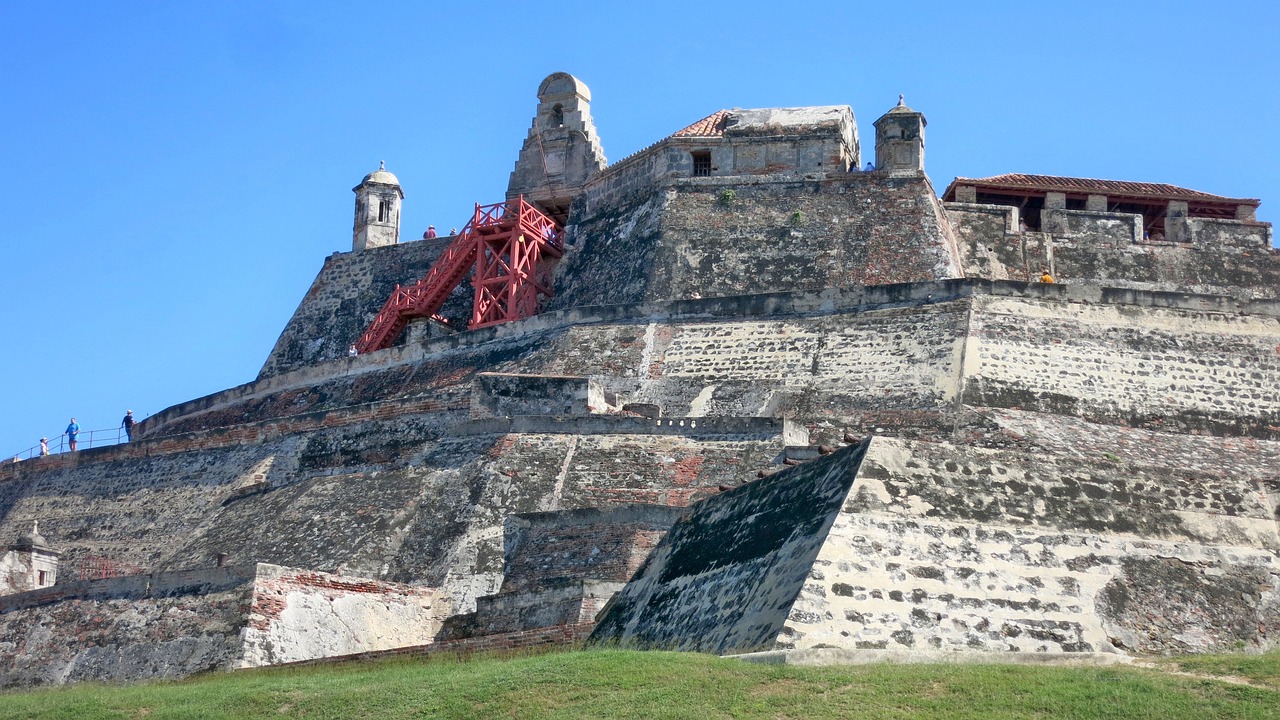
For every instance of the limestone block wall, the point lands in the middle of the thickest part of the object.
(723, 580)
(175, 624)
(989, 243)
(1244, 458)
(507, 395)
(303, 614)
(347, 294)
(858, 360)
(583, 544)
(1211, 235)
(809, 142)
(1225, 257)
(883, 357)
(937, 546)
(390, 497)
(564, 604)
(944, 547)
(876, 362)
(136, 511)
(610, 250)
(1092, 229)
(691, 240)
(167, 625)
(889, 366)
(1173, 368)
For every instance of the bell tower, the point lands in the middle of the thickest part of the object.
(378, 199)
(562, 151)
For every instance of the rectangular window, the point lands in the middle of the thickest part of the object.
(382, 211)
(40, 581)
(701, 163)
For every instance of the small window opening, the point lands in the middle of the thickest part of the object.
(701, 163)
(40, 581)
(557, 116)
(383, 211)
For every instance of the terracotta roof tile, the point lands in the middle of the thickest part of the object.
(709, 126)
(1021, 181)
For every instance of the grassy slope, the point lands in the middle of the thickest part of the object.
(621, 684)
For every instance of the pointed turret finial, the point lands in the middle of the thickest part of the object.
(901, 100)
(382, 164)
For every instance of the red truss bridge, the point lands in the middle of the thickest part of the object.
(512, 246)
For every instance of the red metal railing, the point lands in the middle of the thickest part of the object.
(512, 247)
(93, 567)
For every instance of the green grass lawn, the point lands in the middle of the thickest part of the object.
(1261, 670)
(624, 684)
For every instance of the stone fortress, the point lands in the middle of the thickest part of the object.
(777, 403)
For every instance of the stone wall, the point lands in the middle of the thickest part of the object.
(782, 143)
(584, 544)
(645, 231)
(1176, 369)
(864, 360)
(175, 624)
(167, 625)
(938, 546)
(347, 294)
(943, 547)
(563, 604)
(723, 579)
(302, 614)
(864, 354)
(392, 498)
(1223, 257)
(725, 236)
(507, 395)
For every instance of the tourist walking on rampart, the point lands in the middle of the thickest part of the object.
(73, 431)
(127, 424)
(430, 234)
(44, 446)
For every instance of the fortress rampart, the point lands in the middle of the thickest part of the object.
(1083, 466)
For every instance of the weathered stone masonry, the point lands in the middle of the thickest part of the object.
(1090, 466)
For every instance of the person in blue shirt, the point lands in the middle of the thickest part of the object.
(73, 430)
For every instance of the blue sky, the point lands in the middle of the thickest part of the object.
(174, 174)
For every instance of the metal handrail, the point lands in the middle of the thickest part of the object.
(85, 440)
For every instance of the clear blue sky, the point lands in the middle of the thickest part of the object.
(174, 174)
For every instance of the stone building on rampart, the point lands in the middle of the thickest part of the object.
(777, 402)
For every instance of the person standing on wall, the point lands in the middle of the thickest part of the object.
(430, 234)
(127, 424)
(73, 431)
(44, 446)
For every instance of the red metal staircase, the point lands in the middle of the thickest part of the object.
(513, 248)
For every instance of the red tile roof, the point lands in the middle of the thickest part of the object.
(709, 126)
(1115, 188)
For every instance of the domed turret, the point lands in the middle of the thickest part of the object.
(900, 141)
(32, 540)
(377, 222)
